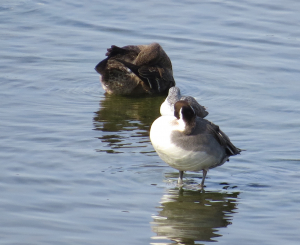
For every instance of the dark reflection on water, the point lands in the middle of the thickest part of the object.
(125, 122)
(188, 216)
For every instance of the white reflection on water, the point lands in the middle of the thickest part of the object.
(187, 216)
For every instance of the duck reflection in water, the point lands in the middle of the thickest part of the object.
(124, 122)
(190, 216)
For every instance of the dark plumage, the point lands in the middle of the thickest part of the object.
(141, 69)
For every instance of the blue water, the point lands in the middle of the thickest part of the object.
(77, 166)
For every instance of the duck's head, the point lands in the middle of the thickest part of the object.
(185, 115)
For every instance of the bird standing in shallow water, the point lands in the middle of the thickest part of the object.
(133, 70)
(190, 143)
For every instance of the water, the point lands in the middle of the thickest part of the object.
(77, 166)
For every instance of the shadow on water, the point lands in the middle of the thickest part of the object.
(125, 122)
(188, 216)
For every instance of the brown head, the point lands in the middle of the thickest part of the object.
(183, 111)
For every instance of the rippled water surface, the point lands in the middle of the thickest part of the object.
(77, 166)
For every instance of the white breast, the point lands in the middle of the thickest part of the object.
(175, 156)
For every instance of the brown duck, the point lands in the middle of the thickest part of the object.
(141, 69)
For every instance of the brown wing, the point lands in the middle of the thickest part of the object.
(127, 53)
(158, 79)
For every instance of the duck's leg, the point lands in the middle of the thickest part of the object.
(180, 178)
(203, 178)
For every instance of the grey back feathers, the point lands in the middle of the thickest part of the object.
(201, 132)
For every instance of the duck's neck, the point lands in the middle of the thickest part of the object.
(186, 127)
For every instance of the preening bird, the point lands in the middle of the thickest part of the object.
(190, 143)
